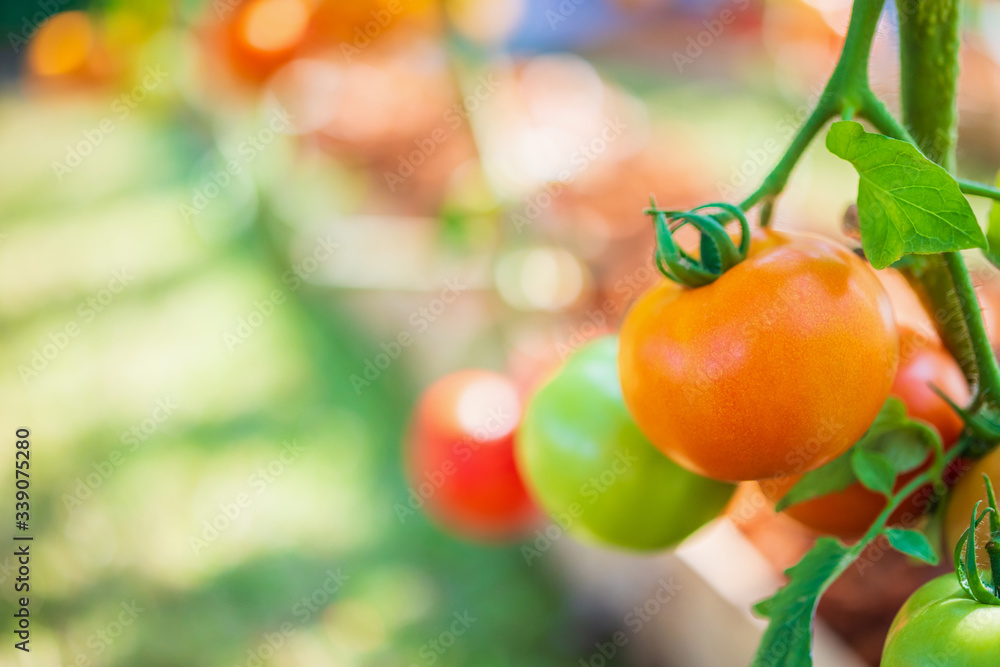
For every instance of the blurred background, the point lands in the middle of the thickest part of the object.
(217, 219)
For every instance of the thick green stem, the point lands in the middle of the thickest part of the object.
(931, 279)
(986, 362)
(929, 57)
(929, 39)
(978, 189)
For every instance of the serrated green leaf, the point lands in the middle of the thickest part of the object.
(873, 470)
(787, 642)
(906, 203)
(912, 543)
(993, 231)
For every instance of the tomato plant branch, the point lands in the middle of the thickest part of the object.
(986, 362)
(843, 93)
(979, 189)
(929, 40)
(929, 60)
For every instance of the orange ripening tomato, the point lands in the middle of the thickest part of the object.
(260, 36)
(775, 368)
(969, 490)
(460, 456)
(848, 514)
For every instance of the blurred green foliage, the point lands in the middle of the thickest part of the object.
(161, 338)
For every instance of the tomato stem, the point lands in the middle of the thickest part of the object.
(979, 189)
(929, 39)
(986, 362)
(847, 86)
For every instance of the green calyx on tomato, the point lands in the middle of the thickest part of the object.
(774, 369)
(718, 252)
(589, 466)
(966, 567)
(953, 620)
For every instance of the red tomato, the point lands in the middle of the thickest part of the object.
(460, 456)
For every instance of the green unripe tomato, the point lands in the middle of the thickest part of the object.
(588, 465)
(942, 626)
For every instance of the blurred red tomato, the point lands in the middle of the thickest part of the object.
(460, 456)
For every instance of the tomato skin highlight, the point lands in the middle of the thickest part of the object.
(592, 469)
(460, 456)
(775, 368)
(942, 625)
(847, 514)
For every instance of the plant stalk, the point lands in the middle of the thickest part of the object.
(929, 39)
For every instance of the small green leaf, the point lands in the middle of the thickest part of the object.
(993, 231)
(906, 446)
(873, 470)
(906, 203)
(903, 442)
(835, 476)
(787, 642)
(912, 543)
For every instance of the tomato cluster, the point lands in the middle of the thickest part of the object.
(772, 370)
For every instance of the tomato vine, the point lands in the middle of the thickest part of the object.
(914, 215)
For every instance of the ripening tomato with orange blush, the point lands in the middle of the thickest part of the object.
(848, 513)
(778, 365)
(460, 456)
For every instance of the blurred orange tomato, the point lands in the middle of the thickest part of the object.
(259, 36)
